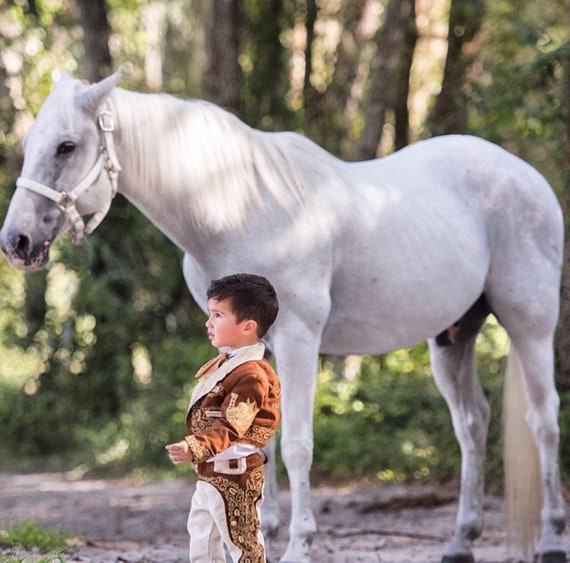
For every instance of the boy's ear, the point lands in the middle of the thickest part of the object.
(250, 325)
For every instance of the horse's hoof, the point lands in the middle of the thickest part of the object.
(551, 557)
(460, 558)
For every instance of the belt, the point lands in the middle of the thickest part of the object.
(232, 466)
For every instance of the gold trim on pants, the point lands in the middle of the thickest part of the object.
(225, 509)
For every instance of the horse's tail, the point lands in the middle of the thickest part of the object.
(523, 493)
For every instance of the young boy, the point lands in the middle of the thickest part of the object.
(233, 412)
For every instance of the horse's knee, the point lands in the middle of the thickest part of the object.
(544, 427)
(477, 424)
(297, 455)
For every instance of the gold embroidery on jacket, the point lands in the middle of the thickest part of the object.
(259, 434)
(199, 452)
(199, 422)
(241, 416)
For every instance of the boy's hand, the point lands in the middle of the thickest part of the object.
(179, 452)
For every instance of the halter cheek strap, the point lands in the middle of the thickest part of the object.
(65, 200)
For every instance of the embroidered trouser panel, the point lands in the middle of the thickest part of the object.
(225, 510)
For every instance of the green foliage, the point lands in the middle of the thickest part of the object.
(154, 417)
(375, 422)
(264, 63)
(385, 418)
(516, 99)
(31, 536)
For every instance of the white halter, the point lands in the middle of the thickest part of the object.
(65, 200)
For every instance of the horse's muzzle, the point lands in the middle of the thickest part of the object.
(22, 253)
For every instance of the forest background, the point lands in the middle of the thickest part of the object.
(98, 352)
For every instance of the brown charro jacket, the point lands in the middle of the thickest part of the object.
(238, 402)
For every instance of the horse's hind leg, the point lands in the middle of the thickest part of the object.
(536, 359)
(455, 375)
(527, 306)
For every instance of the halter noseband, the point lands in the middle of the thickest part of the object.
(65, 200)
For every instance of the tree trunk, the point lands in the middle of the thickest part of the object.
(385, 74)
(266, 83)
(310, 27)
(327, 114)
(449, 114)
(155, 23)
(562, 343)
(35, 305)
(97, 59)
(222, 79)
(401, 111)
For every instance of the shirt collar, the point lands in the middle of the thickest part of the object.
(233, 353)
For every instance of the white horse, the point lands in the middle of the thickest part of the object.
(366, 258)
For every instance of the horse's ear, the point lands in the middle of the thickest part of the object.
(90, 98)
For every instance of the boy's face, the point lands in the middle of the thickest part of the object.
(223, 328)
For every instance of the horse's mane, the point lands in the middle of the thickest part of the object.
(216, 165)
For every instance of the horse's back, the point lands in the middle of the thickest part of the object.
(470, 178)
(466, 165)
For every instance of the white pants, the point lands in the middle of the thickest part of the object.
(208, 528)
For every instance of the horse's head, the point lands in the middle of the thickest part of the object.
(65, 153)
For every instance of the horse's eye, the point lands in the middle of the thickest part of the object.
(66, 147)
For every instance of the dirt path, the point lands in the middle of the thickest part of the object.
(127, 522)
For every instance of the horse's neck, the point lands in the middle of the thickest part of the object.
(173, 170)
(195, 170)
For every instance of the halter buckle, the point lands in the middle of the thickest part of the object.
(106, 122)
(66, 201)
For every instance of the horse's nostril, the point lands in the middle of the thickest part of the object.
(21, 245)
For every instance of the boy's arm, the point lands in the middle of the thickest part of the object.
(245, 394)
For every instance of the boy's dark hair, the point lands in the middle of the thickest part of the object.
(251, 297)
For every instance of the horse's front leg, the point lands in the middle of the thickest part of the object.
(297, 364)
(456, 378)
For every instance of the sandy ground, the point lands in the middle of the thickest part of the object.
(128, 522)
